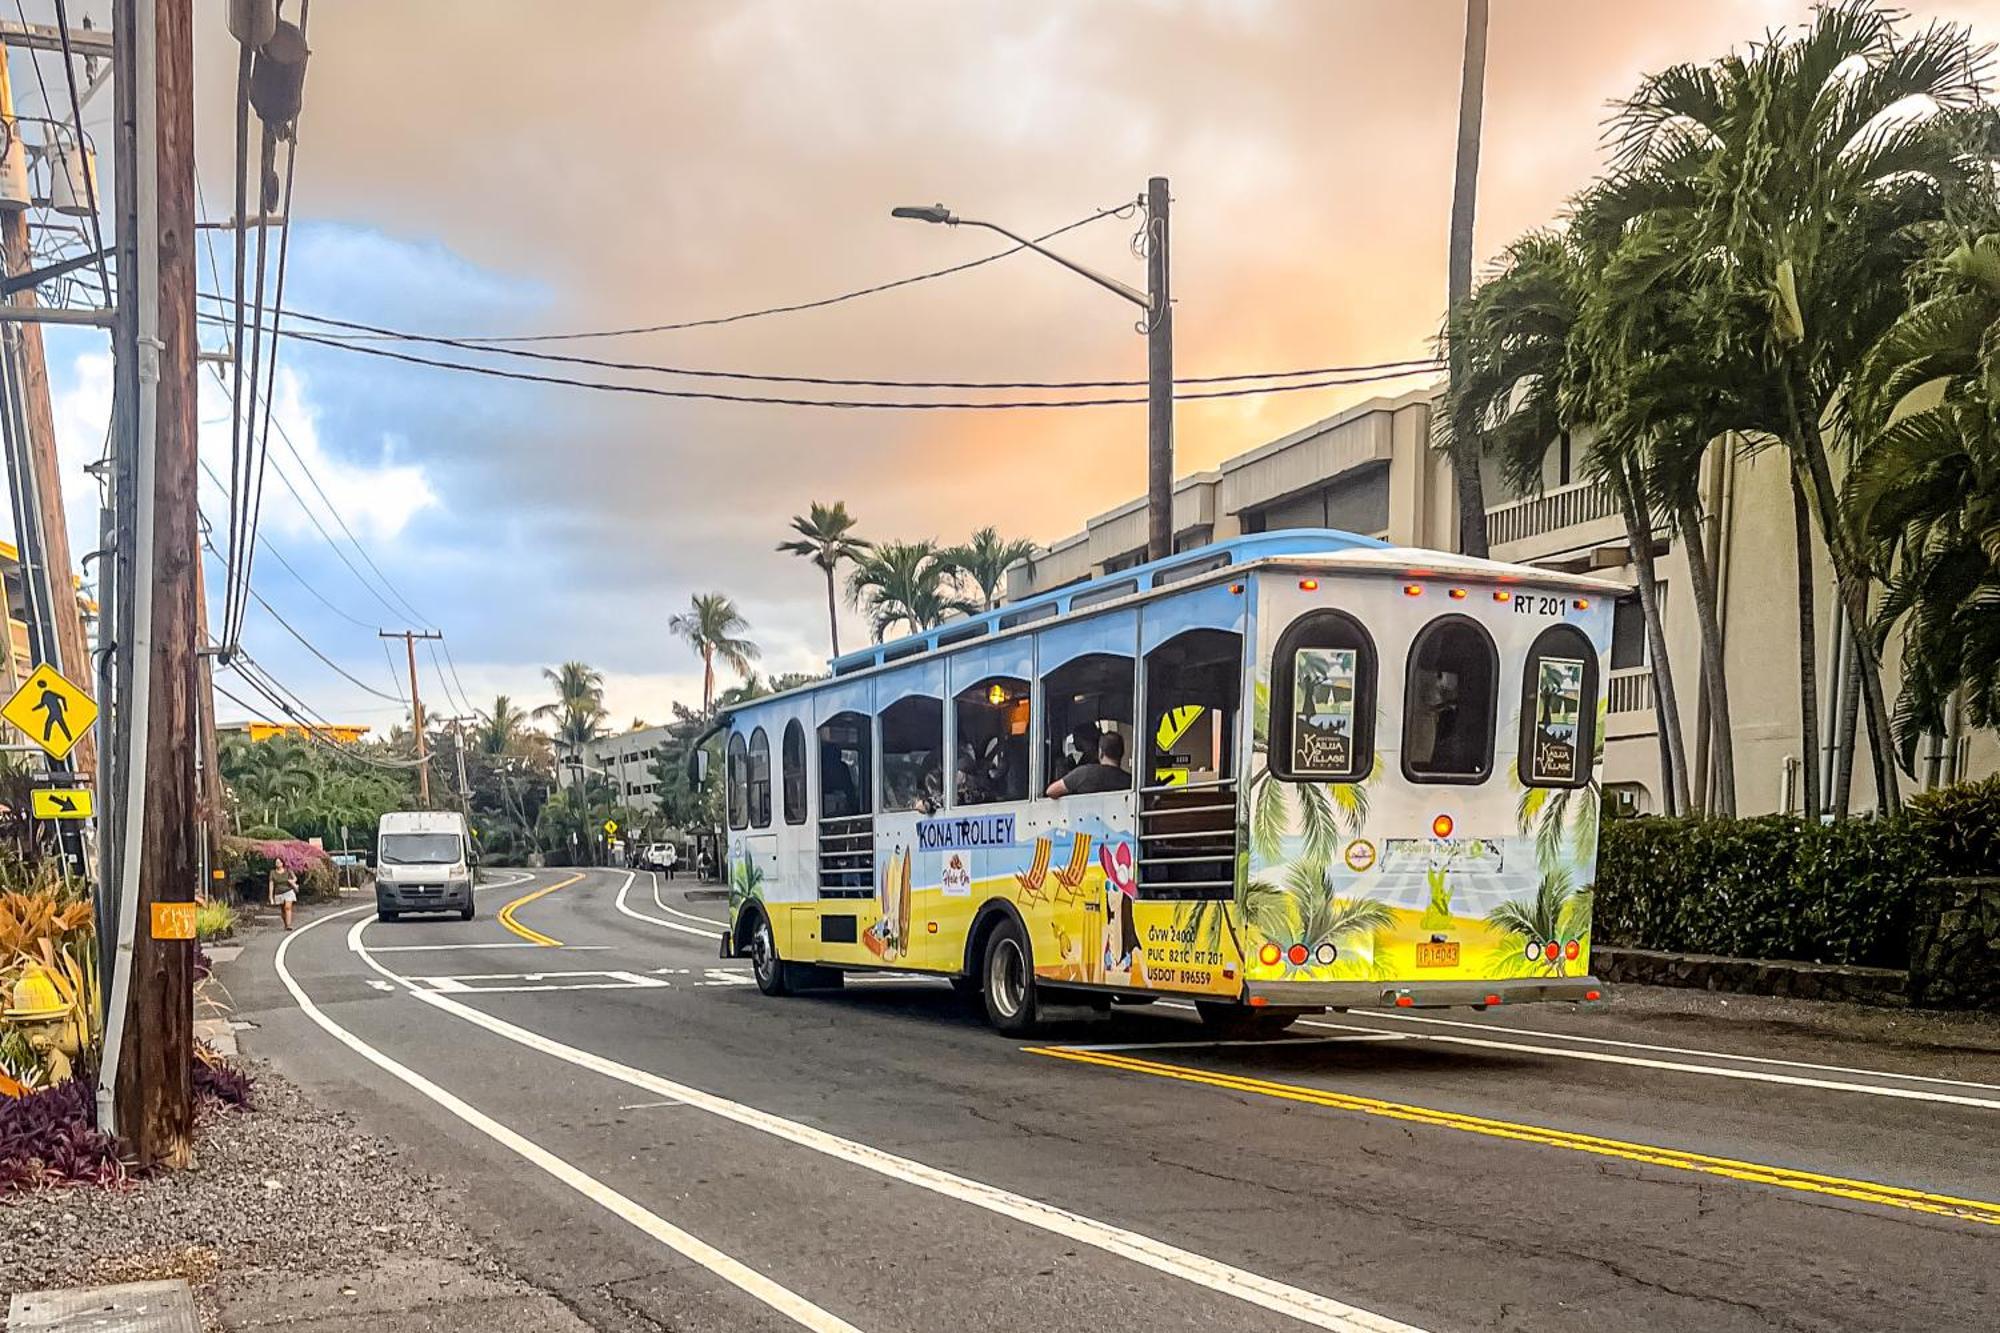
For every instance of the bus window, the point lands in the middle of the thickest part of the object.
(1559, 710)
(738, 782)
(1193, 688)
(1084, 700)
(912, 754)
(794, 762)
(1449, 699)
(1322, 726)
(992, 742)
(758, 785)
(845, 786)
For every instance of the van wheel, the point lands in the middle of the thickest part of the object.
(1012, 1006)
(384, 914)
(772, 973)
(1237, 1020)
(465, 912)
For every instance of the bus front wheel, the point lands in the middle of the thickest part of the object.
(1009, 974)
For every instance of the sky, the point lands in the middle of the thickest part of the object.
(489, 167)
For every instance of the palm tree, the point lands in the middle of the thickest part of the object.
(984, 560)
(1924, 495)
(903, 583)
(1464, 443)
(826, 537)
(500, 728)
(1556, 915)
(1789, 179)
(578, 708)
(713, 627)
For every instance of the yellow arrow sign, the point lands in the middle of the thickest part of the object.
(610, 827)
(62, 803)
(50, 711)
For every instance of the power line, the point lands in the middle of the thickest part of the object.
(1411, 364)
(310, 735)
(1123, 210)
(290, 629)
(291, 569)
(702, 395)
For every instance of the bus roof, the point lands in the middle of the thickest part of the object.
(1317, 548)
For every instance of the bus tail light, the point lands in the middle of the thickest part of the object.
(1297, 955)
(1405, 1002)
(1269, 955)
(1552, 951)
(1441, 826)
(1493, 999)
(1593, 995)
(1572, 949)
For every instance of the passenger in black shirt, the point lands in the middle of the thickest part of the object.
(1105, 773)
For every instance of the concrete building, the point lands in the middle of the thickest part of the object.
(626, 761)
(1371, 469)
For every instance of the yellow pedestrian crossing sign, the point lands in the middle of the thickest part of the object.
(610, 828)
(62, 803)
(50, 711)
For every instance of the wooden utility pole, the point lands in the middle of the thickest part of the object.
(1159, 377)
(1465, 445)
(155, 1106)
(46, 469)
(409, 638)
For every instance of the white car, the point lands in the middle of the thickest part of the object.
(660, 856)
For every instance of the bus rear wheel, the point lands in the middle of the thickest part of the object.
(1236, 1020)
(1008, 971)
(772, 973)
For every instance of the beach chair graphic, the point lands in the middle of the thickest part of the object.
(1036, 875)
(1070, 877)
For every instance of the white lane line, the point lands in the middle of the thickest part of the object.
(746, 1279)
(661, 903)
(1682, 1050)
(503, 944)
(1252, 1288)
(541, 981)
(713, 934)
(1684, 1067)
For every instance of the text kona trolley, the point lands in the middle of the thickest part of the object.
(1287, 772)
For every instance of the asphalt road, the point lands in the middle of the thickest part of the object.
(640, 1131)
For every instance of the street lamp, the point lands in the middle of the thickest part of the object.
(1159, 327)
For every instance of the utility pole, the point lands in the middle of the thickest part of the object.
(1159, 377)
(154, 1052)
(28, 371)
(1465, 445)
(409, 638)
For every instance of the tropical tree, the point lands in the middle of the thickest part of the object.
(903, 583)
(1785, 184)
(1558, 914)
(578, 708)
(1924, 495)
(984, 561)
(713, 627)
(502, 729)
(826, 537)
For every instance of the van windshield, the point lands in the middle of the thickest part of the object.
(419, 849)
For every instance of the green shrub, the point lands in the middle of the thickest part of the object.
(1777, 887)
(267, 833)
(214, 920)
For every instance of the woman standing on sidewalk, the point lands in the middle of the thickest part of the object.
(284, 891)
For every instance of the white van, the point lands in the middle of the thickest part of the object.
(422, 864)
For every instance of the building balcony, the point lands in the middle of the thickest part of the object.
(1630, 690)
(1552, 511)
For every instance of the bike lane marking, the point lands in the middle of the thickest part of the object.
(738, 1274)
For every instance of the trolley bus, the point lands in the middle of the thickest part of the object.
(1283, 773)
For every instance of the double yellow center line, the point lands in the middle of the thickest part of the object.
(533, 936)
(1756, 1173)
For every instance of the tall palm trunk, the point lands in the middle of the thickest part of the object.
(1852, 580)
(832, 613)
(707, 680)
(1722, 732)
(1808, 647)
(1464, 196)
(1638, 518)
(1843, 727)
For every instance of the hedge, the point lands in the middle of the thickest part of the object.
(247, 864)
(1781, 888)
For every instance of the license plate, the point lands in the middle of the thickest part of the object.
(1434, 953)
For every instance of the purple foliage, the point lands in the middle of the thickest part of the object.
(216, 1080)
(297, 857)
(50, 1137)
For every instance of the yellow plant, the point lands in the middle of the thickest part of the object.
(27, 919)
